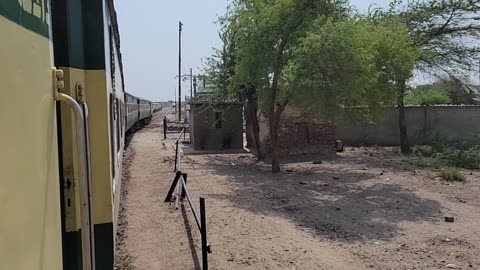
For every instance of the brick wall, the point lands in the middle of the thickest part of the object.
(299, 135)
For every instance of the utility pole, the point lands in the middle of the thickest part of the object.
(191, 85)
(180, 71)
(195, 86)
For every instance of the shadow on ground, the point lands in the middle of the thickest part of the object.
(338, 203)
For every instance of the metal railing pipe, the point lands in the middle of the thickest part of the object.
(83, 160)
(192, 206)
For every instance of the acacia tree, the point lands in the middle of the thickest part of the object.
(220, 69)
(446, 33)
(268, 32)
(357, 63)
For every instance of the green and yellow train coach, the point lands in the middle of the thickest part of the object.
(64, 115)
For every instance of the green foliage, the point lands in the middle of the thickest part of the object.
(427, 97)
(444, 91)
(445, 152)
(220, 67)
(452, 174)
(268, 32)
(457, 90)
(446, 31)
(353, 63)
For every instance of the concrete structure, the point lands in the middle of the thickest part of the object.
(216, 126)
(300, 134)
(454, 122)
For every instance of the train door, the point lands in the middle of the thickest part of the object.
(30, 226)
(79, 46)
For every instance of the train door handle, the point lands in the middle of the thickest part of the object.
(83, 160)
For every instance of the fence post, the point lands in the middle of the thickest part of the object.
(203, 231)
(176, 156)
(164, 127)
(173, 186)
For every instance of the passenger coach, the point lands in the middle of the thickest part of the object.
(64, 113)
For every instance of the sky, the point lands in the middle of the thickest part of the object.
(149, 41)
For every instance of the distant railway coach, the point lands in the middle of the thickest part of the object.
(146, 109)
(157, 106)
(133, 110)
(61, 168)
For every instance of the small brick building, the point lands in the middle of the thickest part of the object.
(216, 126)
(300, 134)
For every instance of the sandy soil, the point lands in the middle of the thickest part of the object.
(361, 209)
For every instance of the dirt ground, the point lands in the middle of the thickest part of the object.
(365, 208)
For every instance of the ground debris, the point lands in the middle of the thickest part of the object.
(449, 219)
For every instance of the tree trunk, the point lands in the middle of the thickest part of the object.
(404, 144)
(249, 126)
(256, 135)
(276, 108)
(253, 129)
(274, 121)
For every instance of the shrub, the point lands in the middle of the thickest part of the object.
(452, 174)
(427, 97)
(444, 152)
(422, 150)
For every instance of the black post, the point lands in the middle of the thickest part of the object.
(173, 186)
(164, 127)
(180, 71)
(203, 231)
(176, 156)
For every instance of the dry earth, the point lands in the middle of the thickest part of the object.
(361, 209)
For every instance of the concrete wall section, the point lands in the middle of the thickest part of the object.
(454, 122)
(207, 133)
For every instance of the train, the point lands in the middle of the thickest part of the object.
(65, 114)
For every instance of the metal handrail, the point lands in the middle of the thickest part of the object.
(177, 156)
(83, 160)
(180, 136)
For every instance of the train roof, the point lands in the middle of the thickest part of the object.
(116, 34)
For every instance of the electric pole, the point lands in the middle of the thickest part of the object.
(191, 85)
(180, 71)
(195, 86)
